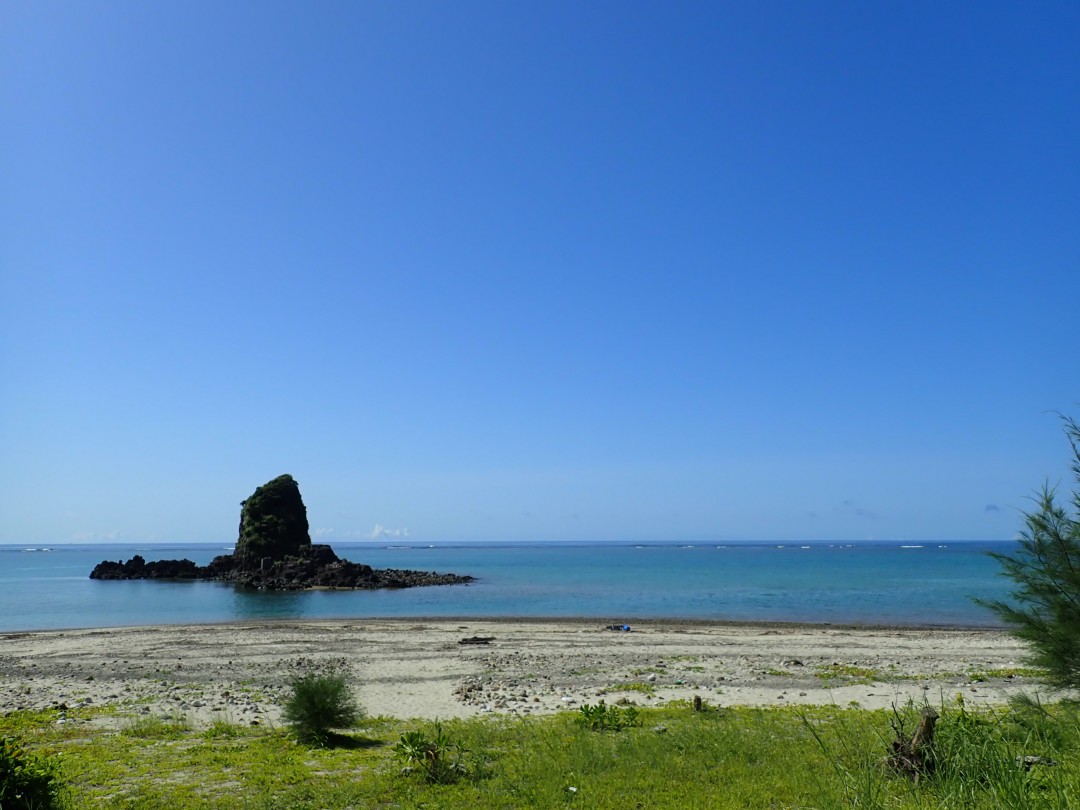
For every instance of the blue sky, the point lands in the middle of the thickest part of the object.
(537, 270)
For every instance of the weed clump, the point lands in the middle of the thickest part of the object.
(438, 758)
(319, 703)
(602, 717)
(158, 728)
(27, 781)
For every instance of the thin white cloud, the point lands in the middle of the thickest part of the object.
(381, 531)
(323, 532)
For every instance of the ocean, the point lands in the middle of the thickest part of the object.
(912, 584)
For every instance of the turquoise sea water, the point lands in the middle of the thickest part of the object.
(868, 583)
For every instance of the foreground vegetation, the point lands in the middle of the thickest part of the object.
(671, 757)
(1044, 609)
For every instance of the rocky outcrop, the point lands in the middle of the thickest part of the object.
(138, 568)
(317, 567)
(274, 552)
(273, 523)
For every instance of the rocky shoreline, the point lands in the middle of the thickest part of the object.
(314, 566)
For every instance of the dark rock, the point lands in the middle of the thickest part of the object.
(290, 574)
(106, 569)
(138, 568)
(273, 523)
(171, 569)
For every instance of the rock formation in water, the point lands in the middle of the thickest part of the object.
(273, 523)
(274, 552)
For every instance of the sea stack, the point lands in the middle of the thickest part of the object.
(274, 552)
(273, 523)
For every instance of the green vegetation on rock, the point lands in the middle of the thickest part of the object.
(273, 523)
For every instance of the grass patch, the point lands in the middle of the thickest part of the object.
(1007, 673)
(833, 674)
(223, 730)
(151, 727)
(587, 671)
(671, 757)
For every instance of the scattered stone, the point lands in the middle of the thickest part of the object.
(477, 640)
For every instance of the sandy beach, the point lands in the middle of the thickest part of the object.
(420, 668)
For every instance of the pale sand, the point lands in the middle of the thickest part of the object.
(418, 669)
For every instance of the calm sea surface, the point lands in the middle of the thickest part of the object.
(872, 583)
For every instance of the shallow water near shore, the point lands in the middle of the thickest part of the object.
(915, 584)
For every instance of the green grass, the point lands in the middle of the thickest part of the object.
(1000, 673)
(588, 671)
(841, 674)
(671, 758)
(1007, 673)
(157, 728)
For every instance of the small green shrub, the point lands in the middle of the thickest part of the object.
(439, 757)
(26, 782)
(602, 717)
(222, 730)
(320, 702)
(846, 673)
(157, 728)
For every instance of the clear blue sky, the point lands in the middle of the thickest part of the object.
(537, 270)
